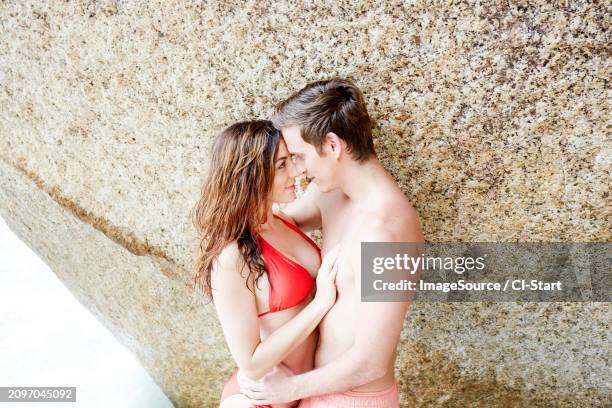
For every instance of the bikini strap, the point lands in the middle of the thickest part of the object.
(289, 223)
(299, 231)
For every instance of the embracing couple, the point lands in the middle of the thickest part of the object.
(291, 312)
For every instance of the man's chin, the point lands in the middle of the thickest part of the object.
(323, 188)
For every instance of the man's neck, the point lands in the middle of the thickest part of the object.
(360, 180)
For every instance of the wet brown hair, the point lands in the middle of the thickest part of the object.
(333, 105)
(235, 197)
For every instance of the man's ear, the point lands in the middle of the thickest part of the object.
(334, 144)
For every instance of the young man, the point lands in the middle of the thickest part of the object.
(353, 199)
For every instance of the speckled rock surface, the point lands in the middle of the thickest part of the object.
(493, 117)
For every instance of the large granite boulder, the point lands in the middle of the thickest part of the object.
(492, 117)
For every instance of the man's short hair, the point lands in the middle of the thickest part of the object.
(334, 105)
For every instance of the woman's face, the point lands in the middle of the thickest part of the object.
(283, 188)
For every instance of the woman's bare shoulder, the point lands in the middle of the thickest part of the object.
(230, 252)
(230, 260)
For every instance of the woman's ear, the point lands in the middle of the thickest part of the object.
(334, 144)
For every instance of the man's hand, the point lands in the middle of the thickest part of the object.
(273, 388)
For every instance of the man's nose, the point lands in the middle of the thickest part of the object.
(295, 169)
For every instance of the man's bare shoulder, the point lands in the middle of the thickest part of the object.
(375, 228)
(402, 215)
(393, 221)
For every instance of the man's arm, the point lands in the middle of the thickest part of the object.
(305, 210)
(380, 326)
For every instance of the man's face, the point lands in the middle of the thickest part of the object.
(319, 168)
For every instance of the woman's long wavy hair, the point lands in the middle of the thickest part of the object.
(235, 197)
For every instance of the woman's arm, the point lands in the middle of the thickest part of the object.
(237, 310)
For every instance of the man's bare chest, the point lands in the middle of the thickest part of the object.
(339, 228)
(334, 221)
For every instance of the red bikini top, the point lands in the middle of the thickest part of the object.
(290, 282)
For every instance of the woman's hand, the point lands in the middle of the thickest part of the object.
(326, 279)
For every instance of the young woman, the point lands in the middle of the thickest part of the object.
(258, 267)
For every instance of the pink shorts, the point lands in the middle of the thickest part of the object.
(388, 398)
